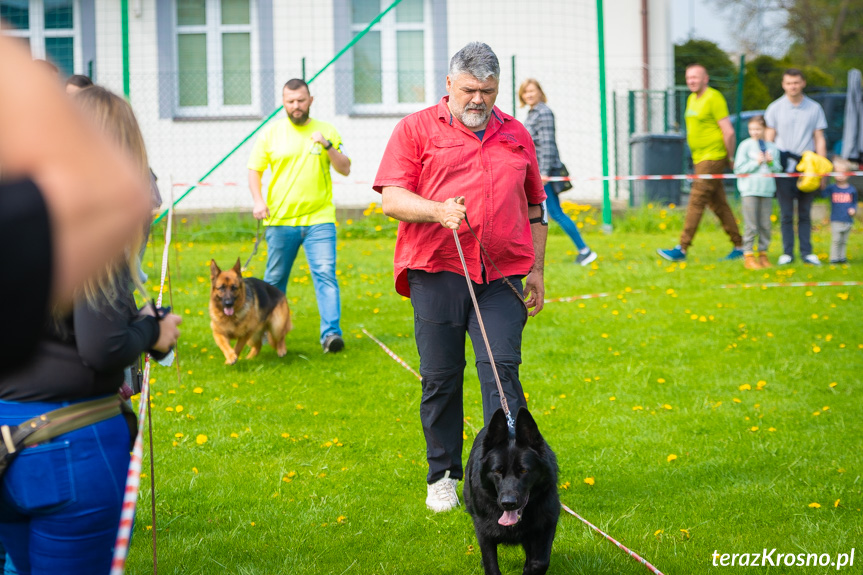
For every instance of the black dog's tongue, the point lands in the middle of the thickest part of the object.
(509, 518)
(512, 517)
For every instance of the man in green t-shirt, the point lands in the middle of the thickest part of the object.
(299, 207)
(711, 140)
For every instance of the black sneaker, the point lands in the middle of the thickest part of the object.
(584, 259)
(333, 343)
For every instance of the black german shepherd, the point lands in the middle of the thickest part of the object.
(510, 491)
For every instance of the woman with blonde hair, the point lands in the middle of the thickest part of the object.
(540, 126)
(60, 499)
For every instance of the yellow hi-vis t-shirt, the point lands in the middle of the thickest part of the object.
(300, 192)
(702, 127)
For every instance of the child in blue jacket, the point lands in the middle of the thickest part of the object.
(756, 156)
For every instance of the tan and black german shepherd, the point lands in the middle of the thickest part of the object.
(244, 309)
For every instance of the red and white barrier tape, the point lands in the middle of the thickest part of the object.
(697, 176)
(647, 177)
(133, 477)
(586, 296)
(791, 284)
(621, 546)
(392, 354)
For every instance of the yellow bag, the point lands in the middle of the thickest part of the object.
(813, 167)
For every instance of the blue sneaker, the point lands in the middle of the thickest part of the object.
(675, 255)
(734, 254)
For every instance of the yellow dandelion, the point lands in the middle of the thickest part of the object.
(667, 406)
(637, 408)
(657, 532)
(836, 503)
(234, 435)
(201, 439)
(745, 387)
(833, 384)
(771, 429)
(753, 428)
(178, 435)
(815, 505)
(195, 470)
(671, 458)
(179, 408)
(198, 390)
(660, 380)
(589, 480)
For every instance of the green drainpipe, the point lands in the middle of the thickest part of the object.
(124, 9)
(603, 121)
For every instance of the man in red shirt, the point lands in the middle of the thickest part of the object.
(464, 159)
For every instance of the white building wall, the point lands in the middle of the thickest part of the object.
(554, 41)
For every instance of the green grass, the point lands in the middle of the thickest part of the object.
(316, 463)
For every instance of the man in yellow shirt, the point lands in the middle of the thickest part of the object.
(299, 207)
(711, 140)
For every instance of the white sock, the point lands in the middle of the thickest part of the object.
(586, 250)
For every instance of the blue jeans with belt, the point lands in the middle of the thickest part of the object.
(60, 500)
(319, 242)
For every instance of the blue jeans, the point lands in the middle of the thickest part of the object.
(319, 241)
(60, 501)
(552, 203)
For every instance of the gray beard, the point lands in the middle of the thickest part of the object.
(474, 120)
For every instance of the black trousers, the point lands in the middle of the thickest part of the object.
(786, 194)
(443, 314)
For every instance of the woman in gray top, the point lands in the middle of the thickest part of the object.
(540, 125)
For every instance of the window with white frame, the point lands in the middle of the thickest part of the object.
(393, 68)
(216, 54)
(51, 28)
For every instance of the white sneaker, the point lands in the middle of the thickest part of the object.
(812, 259)
(784, 259)
(585, 258)
(442, 495)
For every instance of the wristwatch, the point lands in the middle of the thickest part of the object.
(329, 145)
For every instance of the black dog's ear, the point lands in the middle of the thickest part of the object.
(238, 267)
(497, 432)
(214, 270)
(526, 431)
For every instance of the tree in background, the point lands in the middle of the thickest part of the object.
(822, 37)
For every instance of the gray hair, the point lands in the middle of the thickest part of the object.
(476, 59)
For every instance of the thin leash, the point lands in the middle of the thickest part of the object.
(255, 248)
(509, 420)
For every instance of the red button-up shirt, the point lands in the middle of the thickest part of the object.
(436, 157)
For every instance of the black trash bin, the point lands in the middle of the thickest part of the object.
(653, 154)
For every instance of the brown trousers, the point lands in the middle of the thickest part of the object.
(709, 194)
